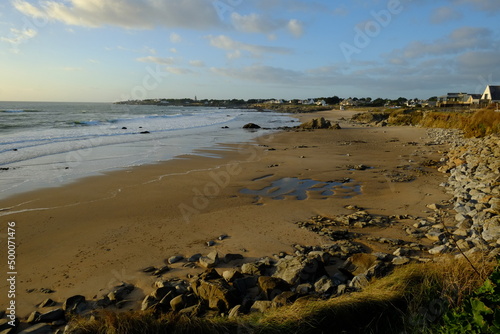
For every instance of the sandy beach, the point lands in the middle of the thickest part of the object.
(86, 237)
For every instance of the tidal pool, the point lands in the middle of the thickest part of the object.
(301, 188)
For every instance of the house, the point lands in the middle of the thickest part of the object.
(308, 102)
(321, 103)
(348, 103)
(491, 94)
(455, 100)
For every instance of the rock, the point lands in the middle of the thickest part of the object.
(40, 328)
(400, 252)
(325, 285)
(161, 292)
(434, 236)
(358, 264)
(299, 270)
(251, 126)
(318, 123)
(120, 292)
(218, 294)
(148, 302)
(491, 229)
(244, 284)
(209, 275)
(261, 306)
(231, 275)
(209, 261)
(210, 243)
(438, 250)
(495, 205)
(194, 258)
(5, 326)
(359, 282)
(149, 269)
(234, 312)
(75, 304)
(177, 303)
(161, 271)
(51, 316)
(165, 301)
(33, 317)
(47, 303)
(285, 298)
(251, 269)
(460, 217)
(400, 260)
(304, 288)
(175, 259)
(434, 207)
(272, 286)
(222, 237)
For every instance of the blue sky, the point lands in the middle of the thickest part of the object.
(109, 50)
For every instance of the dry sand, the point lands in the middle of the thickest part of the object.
(88, 236)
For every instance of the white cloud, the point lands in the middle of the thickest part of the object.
(482, 5)
(19, 36)
(460, 40)
(178, 71)
(173, 50)
(197, 63)
(175, 38)
(130, 14)
(261, 73)
(157, 60)
(254, 23)
(227, 43)
(445, 14)
(296, 28)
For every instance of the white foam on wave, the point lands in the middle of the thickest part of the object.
(47, 157)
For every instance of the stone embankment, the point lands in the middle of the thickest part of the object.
(474, 183)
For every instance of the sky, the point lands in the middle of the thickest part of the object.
(112, 50)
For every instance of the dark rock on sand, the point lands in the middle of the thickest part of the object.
(251, 126)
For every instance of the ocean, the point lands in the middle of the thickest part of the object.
(51, 144)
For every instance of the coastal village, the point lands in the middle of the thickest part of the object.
(472, 101)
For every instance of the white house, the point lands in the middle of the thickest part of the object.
(491, 94)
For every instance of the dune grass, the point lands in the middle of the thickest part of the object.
(410, 300)
(478, 124)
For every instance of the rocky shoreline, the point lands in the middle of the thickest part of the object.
(468, 223)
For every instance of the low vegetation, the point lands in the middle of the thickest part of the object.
(412, 300)
(480, 123)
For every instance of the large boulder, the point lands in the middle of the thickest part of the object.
(358, 264)
(272, 286)
(319, 123)
(218, 294)
(251, 126)
(491, 229)
(299, 269)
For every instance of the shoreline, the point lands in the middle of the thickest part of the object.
(91, 235)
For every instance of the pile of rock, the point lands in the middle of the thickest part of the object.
(474, 183)
(324, 271)
(319, 123)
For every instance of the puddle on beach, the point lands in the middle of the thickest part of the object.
(301, 189)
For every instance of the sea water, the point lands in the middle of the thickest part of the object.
(50, 144)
